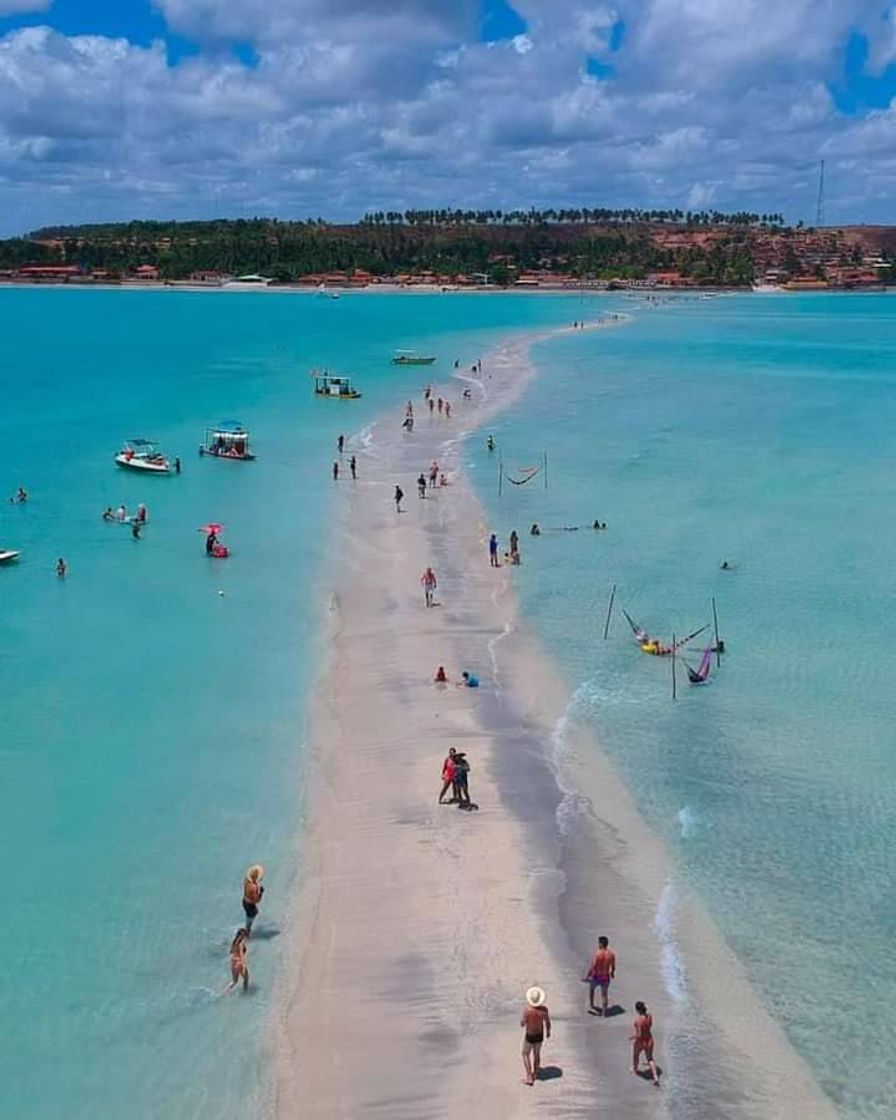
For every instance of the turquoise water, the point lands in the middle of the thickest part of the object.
(761, 430)
(152, 728)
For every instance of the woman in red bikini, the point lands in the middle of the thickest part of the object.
(642, 1041)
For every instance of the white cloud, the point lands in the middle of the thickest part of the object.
(23, 7)
(383, 103)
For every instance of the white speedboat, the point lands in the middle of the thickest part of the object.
(143, 455)
(8, 555)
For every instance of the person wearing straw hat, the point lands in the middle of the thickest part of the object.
(252, 892)
(536, 1024)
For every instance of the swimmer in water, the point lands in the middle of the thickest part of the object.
(61, 568)
(490, 443)
(535, 531)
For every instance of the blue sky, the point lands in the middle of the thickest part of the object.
(192, 108)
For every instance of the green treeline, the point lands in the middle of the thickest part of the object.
(598, 244)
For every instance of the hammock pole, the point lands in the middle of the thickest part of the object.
(500, 475)
(609, 612)
(673, 668)
(715, 620)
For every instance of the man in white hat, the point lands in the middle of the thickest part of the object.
(536, 1023)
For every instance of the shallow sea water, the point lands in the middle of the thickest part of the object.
(152, 728)
(759, 430)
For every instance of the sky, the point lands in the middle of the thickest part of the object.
(119, 109)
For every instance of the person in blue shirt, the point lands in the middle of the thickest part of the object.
(470, 680)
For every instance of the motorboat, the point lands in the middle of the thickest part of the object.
(8, 555)
(412, 358)
(229, 440)
(337, 388)
(143, 455)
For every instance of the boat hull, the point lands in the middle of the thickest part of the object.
(136, 464)
(413, 361)
(247, 458)
(8, 555)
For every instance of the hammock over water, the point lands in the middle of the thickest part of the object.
(528, 474)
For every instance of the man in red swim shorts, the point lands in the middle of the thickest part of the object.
(600, 972)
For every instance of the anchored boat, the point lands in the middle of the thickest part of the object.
(143, 455)
(337, 388)
(229, 440)
(8, 555)
(412, 358)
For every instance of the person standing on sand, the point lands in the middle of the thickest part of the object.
(493, 551)
(340, 443)
(239, 960)
(353, 467)
(642, 1041)
(461, 780)
(433, 473)
(252, 892)
(432, 405)
(447, 410)
(536, 1023)
(428, 579)
(335, 470)
(449, 773)
(421, 485)
(399, 494)
(600, 972)
(441, 405)
(515, 546)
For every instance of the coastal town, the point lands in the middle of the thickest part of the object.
(681, 253)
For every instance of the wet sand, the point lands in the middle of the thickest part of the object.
(418, 927)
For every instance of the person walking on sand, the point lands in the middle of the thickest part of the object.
(340, 443)
(461, 780)
(449, 773)
(399, 494)
(409, 411)
(335, 470)
(432, 405)
(428, 579)
(600, 972)
(447, 410)
(421, 485)
(433, 473)
(353, 467)
(536, 1024)
(252, 892)
(642, 1040)
(441, 405)
(493, 551)
(239, 960)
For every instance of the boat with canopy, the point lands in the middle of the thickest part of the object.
(336, 388)
(143, 455)
(229, 440)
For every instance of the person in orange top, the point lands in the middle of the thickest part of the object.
(252, 892)
(642, 1041)
(536, 1022)
(600, 972)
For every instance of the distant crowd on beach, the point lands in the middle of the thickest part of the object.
(455, 782)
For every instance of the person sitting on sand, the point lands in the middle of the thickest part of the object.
(536, 1023)
(252, 892)
(441, 676)
(239, 960)
(641, 1039)
(535, 531)
(443, 479)
(468, 680)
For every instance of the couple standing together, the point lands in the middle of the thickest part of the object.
(455, 769)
